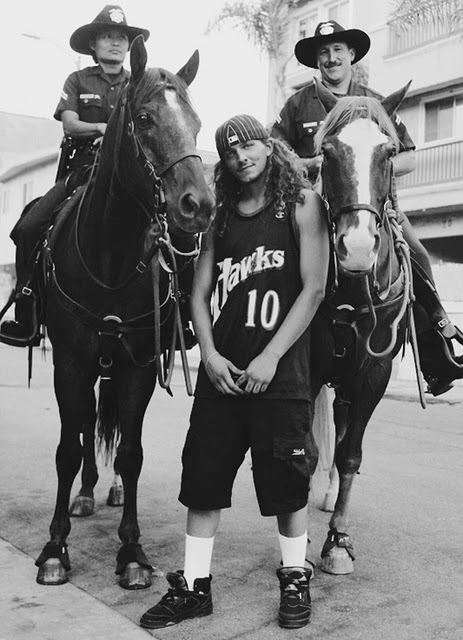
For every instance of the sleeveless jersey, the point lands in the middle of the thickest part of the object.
(257, 279)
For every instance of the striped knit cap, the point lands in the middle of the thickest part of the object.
(238, 129)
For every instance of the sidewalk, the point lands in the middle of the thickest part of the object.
(407, 390)
(30, 611)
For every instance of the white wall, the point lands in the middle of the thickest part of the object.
(42, 180)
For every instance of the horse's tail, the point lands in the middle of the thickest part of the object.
(107, 418)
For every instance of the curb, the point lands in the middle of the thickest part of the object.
(30, 611)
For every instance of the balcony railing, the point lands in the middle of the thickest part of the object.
(404, 36)
(442, 163)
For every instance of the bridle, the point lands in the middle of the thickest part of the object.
(385, 217)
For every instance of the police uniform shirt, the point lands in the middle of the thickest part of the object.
(91, 93)
(303, 113)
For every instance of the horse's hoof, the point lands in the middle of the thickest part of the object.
(337, 562)
(329, 501)
(52, 572)
(135, 576)
(82, 507)
(115, 496)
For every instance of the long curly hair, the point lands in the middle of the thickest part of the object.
(283, 185)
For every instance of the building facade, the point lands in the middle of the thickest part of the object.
(429, 54)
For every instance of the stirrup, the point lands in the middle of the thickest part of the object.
(35, 336)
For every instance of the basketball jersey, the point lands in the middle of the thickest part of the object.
(257, 279)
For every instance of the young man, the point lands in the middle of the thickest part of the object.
(87, 99)
(253, 387)
(333, 50)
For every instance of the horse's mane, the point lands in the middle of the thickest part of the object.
(350, 108)
(155, 79)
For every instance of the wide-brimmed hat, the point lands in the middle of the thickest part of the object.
(238, 129)
(111, 16)
(330, 31)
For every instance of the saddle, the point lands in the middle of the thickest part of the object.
(29, 295)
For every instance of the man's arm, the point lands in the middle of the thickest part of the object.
(218, 368)
(404, 162)
(68, 112)
(76, 128)
(314, 261)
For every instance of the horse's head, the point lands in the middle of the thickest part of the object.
(163, 125)
(357, 141)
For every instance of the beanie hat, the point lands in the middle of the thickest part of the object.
(238, 129)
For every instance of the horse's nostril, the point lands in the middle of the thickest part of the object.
(189, 206)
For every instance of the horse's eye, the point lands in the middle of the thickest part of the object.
(143, 121)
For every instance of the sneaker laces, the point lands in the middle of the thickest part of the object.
(174, 594)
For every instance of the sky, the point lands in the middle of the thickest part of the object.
(232, 76)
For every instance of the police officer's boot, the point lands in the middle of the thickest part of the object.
(436, 335)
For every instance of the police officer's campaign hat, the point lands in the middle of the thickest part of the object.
(238, 129)
(330, 31)
(111, 16)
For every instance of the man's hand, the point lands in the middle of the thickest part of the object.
(223, 373)
(259, 373)
(310, 167)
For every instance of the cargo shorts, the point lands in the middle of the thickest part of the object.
(283, 452)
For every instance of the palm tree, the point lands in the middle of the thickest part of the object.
(265, 23)
(445, 13)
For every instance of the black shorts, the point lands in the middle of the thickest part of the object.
(222, 429)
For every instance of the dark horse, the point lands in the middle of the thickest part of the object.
(112, 290)
(362, 323)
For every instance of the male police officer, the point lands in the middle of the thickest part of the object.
(87, 99)
(333, 50)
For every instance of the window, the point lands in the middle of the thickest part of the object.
(443, 119)
(305, 27)
(339, 12)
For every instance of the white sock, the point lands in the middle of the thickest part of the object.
(293, 550)
(198, 557)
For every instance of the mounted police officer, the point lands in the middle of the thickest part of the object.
(333, 50)
(87, 99)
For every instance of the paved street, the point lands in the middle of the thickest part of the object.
(405, 524)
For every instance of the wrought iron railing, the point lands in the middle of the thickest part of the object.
(405, 35)
(440, 163)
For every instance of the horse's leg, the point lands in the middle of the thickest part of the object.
(116, 491)
(332, 492)
(351, 418)
(84, 502)
(135, 390)
(76, 401)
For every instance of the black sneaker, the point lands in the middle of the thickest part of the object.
(295, 607)
(179, 603)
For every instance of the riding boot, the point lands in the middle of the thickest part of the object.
(435, 333)
(22, 326)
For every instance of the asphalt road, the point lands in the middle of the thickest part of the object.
(406, 523)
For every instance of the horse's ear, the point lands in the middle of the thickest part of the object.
(138, 58)
(189, 71)
(392, 102)
(326, 97)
